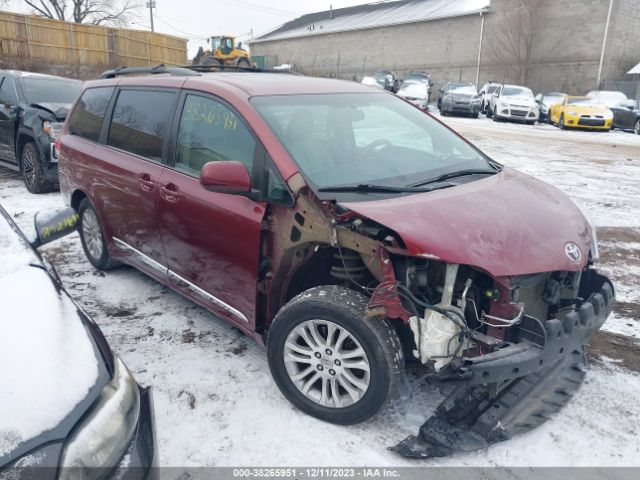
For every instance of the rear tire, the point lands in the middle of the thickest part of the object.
(331, 361)
(211, 61)
(489, 113)
(243, 62)
(31, 165)
(92, 237)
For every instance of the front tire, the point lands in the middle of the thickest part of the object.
(561, 123)
(329, 360)
(243, 62)
(636, 129)
(31, 165)
(92, 237)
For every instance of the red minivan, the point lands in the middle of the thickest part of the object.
(350, 232)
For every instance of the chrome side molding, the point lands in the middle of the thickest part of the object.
(180, 280)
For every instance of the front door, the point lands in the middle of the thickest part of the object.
(130, 167)
(8, 119)
(211, 240)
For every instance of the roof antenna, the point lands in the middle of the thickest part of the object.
(330, 11)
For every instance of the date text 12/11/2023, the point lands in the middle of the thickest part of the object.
(316, 472)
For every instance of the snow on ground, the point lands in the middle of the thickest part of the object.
(215, 402)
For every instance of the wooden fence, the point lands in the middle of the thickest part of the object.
(31, 38)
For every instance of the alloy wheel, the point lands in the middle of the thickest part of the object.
(92, 234)
(327, 363)
(29, 167)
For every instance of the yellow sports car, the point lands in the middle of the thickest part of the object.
(581, 112)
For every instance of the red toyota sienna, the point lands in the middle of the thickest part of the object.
(350, 232)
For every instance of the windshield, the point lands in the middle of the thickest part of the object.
(462, 89)
(362, 138)
(516, 92)
(413, 89)
(583, 102)
(552, 99)
(608, 99)
(50, 90)
(416, 79)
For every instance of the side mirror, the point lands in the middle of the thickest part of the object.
(226, 177)
(53, 225)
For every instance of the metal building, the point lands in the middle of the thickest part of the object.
(545, 44)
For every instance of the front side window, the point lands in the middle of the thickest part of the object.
(345, 139)
(8, 94)
(86, 119)
(140, 122)
(210, 131)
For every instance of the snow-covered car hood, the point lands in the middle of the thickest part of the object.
(49, 362)
(507, 224)
(526, 101)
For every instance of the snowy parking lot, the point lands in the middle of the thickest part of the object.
(215, 401)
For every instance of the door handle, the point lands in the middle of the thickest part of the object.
(145, 182)
(170, 193)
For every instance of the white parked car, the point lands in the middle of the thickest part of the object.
(485, 95)
(513, 102)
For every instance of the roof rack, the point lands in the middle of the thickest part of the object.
(185, 71)
(158, 69)
(233, 68)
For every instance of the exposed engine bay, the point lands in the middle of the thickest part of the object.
(512, 346)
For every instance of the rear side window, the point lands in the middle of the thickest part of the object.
(87, 116)
(8, 94)
(140, 122)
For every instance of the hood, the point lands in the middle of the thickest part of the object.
(519, 100)
(589, 109)
(50, 366)
(507, 224)
(58, 110)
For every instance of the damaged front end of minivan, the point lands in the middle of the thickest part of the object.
(506, 335)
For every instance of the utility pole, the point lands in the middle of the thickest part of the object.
(482, 12)
(604, 45)
(151, 4)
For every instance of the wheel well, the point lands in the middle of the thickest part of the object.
(76, 198)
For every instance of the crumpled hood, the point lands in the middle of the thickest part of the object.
(507, 224)
(58, 110)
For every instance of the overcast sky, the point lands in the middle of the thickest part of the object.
(199, 19)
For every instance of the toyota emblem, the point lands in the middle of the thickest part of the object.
(573, 252)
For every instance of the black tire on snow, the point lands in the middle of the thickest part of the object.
(243, 62)
(210, 61)
(377, 337)
(104, 262)
(34, 177)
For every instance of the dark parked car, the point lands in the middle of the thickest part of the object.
(351, 233)
(626, 116)
(460, 99)
(32, 108)
(545, 101)
(69, 408)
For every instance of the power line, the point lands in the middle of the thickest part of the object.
(189, 35)
(263, 8)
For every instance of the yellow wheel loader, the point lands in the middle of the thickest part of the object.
(223, 52)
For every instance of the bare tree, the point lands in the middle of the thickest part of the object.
(95, 12)
(523, 37)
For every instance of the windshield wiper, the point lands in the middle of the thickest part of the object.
(370, 188)
(459, 173)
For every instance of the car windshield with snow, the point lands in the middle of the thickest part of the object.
(352, 234)
(67, 400)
